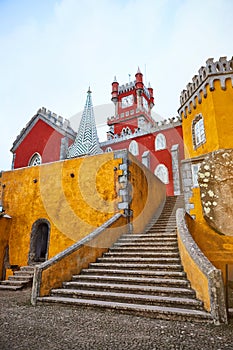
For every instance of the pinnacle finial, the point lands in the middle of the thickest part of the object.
(149, 86)
(89, 90)
(115, 80)
(139, 70)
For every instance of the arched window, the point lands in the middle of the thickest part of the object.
(161, 172)
(108, 149)
(35, 159)
(198, 131)
(133, 148)
(160, 142)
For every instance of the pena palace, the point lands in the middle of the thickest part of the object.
(139, 223)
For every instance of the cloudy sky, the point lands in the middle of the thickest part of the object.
(51, 50)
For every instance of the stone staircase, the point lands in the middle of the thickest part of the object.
(140, 274)
(21, 279)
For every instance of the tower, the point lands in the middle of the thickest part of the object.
(86, 141)
(133, 103)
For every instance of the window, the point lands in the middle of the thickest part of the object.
(195, 169)
(160, 142)
(161, 172)
(133, 148)
(146, 159)
(35, 160)
(198, 131)
(108, 149)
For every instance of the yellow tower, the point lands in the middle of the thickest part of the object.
(207, 120)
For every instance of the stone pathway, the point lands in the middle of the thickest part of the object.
(51, 327)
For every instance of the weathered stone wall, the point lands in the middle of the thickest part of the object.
(216, 187)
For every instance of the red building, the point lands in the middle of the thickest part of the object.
(45, 138)
(158, 145)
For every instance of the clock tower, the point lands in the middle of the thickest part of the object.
(133, 103)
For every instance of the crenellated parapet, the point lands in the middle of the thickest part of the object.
(126, 87)
(220, 70)
(57, 122)
(158, 126)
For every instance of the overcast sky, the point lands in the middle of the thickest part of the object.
(51, 50)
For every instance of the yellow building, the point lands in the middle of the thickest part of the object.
(207, 120)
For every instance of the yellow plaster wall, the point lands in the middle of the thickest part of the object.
(197, 278)
(223, 107)
(217, 248)
(207, 109)
(75, 196)
(5, 225)
(148, 194)
(217, 111)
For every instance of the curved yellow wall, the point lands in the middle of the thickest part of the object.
(75, 196)
(216, 247)
(197, 278)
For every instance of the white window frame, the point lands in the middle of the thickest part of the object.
(160, 142)
(133, 148)
(195, 169)
(198, 131)
(35, 159)
(161, 171)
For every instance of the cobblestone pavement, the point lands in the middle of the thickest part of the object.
(45, 327)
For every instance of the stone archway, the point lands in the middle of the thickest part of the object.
(39, 242)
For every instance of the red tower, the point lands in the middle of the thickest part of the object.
(158, 145)
(133, 103)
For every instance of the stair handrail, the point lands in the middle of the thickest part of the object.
(214, 276)
(66, 252)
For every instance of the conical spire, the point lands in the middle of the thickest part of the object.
(86, 141)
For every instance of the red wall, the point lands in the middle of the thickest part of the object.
(147, 143)
(42, 139)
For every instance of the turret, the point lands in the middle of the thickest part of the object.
(139, 81)
(114, 98)
(151, 96)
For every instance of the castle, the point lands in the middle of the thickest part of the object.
(80, 187)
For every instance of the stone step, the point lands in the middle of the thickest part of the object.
(143, 244)
(150, 235)
(129, 298)
(10, 287)
(132, 288)
(20, 278)
(13, 282)
(24, 273)
(145, 249)
(140, 260)
(27, 268)
(144, 254)
(134, 280)
(147, 240)
(161, 312)
(129, 272)
(144, 266)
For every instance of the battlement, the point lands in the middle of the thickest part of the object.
(52, 118)
(126, 87)
(219, 70)
(59, 121)
(158, 126)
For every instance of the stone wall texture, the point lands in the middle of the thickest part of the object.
(216, 187)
